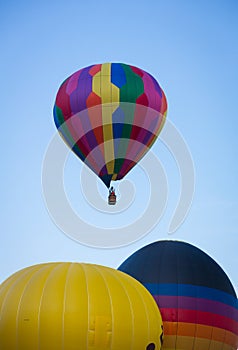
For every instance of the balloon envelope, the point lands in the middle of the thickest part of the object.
(110, 114)
(74, 306)
(197, 301)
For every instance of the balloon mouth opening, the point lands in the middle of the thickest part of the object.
(106, 179)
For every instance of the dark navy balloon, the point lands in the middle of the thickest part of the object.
(196, 298)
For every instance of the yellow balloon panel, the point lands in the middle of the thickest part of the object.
(74, 306)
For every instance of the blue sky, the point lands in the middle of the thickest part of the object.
(191, 48)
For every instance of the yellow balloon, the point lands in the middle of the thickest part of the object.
(76, 306)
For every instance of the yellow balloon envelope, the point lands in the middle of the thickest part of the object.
(76, 306)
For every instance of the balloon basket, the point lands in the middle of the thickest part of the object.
(112, 199)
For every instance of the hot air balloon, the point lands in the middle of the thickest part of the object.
(197, 301)
(110, 114)
(76, 306)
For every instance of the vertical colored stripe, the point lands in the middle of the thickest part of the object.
(109, 93)
(108, 139)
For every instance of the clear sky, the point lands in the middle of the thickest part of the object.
(191, 48)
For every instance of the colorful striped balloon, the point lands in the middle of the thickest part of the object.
(110, 115)
(196, 299)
